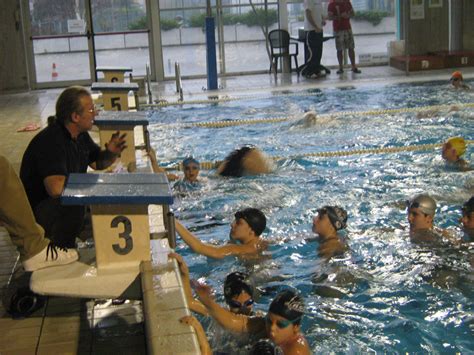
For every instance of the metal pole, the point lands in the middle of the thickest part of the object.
(148, 81)
(211, 62)
(171, 230)
(177, 75)
(406, 25)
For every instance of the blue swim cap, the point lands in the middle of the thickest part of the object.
(190, 160)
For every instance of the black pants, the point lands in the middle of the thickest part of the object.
(62, 224)
(314, 43)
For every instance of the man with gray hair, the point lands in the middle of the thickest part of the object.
(62, 148)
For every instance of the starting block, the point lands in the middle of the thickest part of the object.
(115, 95)
(121, 230)
(114, 74)
(110, 122)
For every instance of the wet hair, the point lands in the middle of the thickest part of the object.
(190, 160)
(289, 305)
(234, 162)
(255, 219)
(235, 283)
(468, 207)
(69, 102)
(265, 347)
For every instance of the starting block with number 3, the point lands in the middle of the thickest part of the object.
(121, 229)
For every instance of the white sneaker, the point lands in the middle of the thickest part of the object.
(50, 256)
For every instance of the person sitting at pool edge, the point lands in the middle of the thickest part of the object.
(281, 324)
(245, 231)
(245, 161)
(467, 220)
(328, 221)
(457, 81)
(452, 151)
(60, 149)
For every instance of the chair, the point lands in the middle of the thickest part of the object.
(280, 48)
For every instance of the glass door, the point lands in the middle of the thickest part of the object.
(60, 42)
(120, 31)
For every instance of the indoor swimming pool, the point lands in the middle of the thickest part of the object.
(387, 295)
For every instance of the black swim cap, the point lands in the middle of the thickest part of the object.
(337, 216)
(265, 347)
(235, 283)
(255, 219)
(289, 305)
(468, 207)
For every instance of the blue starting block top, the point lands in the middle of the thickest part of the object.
(121, 118)
(110, 68)
(115, 189)
(114, 86)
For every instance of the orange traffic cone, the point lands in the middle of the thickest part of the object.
(54, 73)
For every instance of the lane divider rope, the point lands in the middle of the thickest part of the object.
(238, 122)
(209, 165)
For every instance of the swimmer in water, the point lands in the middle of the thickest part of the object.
(245, 233)
(421, 210)
(191, 170)
(457, 81)
(326, 224)
(191, 178)
(467, 220)
(452, 151)
(245, 161)
(310, 119)
(238, 293)
(281, 324)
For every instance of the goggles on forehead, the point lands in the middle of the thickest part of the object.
(410, 204)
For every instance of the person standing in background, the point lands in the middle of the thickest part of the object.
(313, 26)
(340, 12)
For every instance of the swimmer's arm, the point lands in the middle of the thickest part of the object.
(209, 250)
(54, 185)
(158, 169)
(238, 323)
(200, 333)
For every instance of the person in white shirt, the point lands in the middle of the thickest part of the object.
(313, 26)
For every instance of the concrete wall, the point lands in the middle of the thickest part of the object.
(468, 25)
(13, 69)
(430, 34)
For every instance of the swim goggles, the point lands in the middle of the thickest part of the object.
(237, 304)
(281, 323)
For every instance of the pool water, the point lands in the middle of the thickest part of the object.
(387, 295)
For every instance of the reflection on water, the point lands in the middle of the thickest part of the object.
(389, 295)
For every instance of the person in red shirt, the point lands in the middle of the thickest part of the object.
(340, 12)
